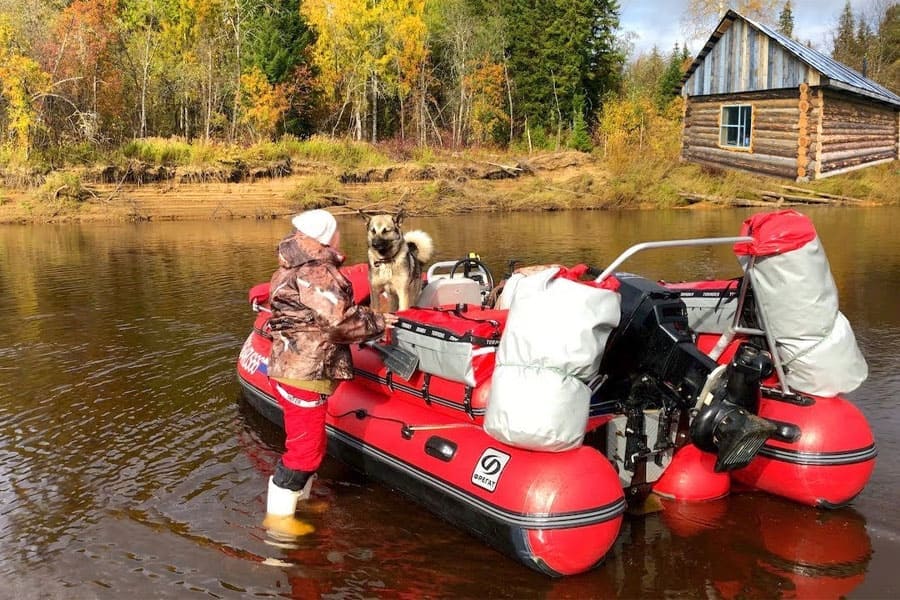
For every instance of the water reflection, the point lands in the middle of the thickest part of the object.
(128, 464)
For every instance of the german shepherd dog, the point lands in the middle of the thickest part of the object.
(395, 262)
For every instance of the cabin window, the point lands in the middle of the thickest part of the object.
(735, 128)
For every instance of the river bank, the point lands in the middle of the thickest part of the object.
(449, 184)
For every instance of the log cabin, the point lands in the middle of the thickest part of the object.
(759, 101)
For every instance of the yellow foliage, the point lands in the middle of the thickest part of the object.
(264, 104)
(634, 129)
(406, 49)
(345, 40)
(488, 99)
(22, 83)
(361, 43)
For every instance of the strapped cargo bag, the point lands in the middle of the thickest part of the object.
(450, 343)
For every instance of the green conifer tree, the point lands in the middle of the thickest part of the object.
(557, 50)
(845, 47)
(786, 20)
(671, 78)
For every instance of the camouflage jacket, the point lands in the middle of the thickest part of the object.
(314, 318)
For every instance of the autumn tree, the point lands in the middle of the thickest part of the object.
(22, 85)
(405, 53)
(786, 20)
(365, 51)
(84, 53)
(264, 104)
(701, 16)
(468, 45)
(345, 35)
(643, 74)
(140, 24)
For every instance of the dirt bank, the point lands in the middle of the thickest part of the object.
(550, 181)
(554, 181)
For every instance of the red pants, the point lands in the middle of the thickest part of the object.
(304, 427)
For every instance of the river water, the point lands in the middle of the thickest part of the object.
(129, 465)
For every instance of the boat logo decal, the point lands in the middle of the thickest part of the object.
(489, 469)
(251, 360)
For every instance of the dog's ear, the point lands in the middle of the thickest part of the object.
(398, 218)
(364, 216)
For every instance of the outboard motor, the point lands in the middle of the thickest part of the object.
(726, 423)
(651, 362)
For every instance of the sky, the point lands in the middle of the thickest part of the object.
(658, 22)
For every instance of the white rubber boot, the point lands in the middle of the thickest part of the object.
(281, 504)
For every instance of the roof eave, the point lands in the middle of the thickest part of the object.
(840, 85)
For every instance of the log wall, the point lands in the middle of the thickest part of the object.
(775, 133)
(855, 132)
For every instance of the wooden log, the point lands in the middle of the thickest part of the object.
(774, 134)
(511, 170)
(782, 150)
(709, 141)
(798, 198)
(777, 117)
(863, 145)
(861, 137)
(846, 126)
(767, 165)
(707, 129)
(865, 154)
(788, 125)
(859, 131)
(766, 111)
(793, 188)
(745, 157)
(740, 97)
(843, 107)
(692, 198)
(852, 168)
(829, 164)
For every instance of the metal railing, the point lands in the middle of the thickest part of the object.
(735, 327)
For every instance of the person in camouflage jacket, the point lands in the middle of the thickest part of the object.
(313, 322)
(314, 317)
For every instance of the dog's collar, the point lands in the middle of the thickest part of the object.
(385, 261)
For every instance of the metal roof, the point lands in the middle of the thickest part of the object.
(838, 75)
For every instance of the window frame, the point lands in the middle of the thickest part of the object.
(741, 127)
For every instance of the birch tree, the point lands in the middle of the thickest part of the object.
(701, 16)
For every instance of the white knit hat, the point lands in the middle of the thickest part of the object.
(317, 224)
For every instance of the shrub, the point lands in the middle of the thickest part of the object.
(159, 151)
(62, 187)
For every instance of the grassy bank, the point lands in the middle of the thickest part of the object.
(172, 179)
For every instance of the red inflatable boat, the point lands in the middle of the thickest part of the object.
(696, 395)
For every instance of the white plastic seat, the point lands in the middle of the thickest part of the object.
(459, 290)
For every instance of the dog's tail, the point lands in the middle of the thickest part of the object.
(419, 244)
